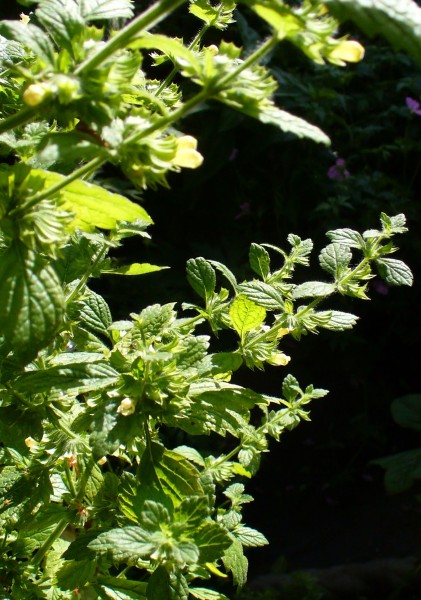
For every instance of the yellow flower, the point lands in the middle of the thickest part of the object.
(24, 18)
(279, 359)
(347, 51)
(186, 155)
(35, 94)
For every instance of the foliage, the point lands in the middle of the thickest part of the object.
(404, 468)
(95, 502)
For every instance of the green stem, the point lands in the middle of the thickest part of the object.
(228, 456)
(20, 118)
(149, 18)
(95, 262)
(54, 535)
(175, 69)
(252, 59)
(205, 93)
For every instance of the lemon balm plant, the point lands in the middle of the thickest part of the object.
(94, 502)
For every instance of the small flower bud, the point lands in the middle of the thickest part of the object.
(347, 51)
(186, 155)
(214, 50)
(127, 407)
(35, 94)
(279, 359)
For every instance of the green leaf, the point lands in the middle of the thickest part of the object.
(206, 594)
(336, 320)
(347, 237)
(93, 312)
(167, 586)
(402, 470)
(225, 272)
(118, 588)
(165, 476)
(31, 301)
(133, 269)
(124, 544)
(31, 37)
(313, 289)
(286, 122)
(94, 10)
(250, 537)
(75, 573)
(246, 315)
(394, 272)
(262, 294)
(335, 258)
(399, 21)
(201, 277)
(212, 540)
(259, 260)
(406, 411)
(235, 561)
(78, 377)
(172, 47)
(218, 16)
(93, 205)
(62, 20)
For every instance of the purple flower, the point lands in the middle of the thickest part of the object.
(338, 171)
(413, 105)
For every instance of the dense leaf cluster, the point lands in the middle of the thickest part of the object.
(95, 503)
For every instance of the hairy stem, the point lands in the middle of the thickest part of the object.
(149, 18)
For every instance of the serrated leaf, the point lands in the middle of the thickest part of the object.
(191, 454)
(93, 312)
(93, 205)
(313, 289)
(78, 377)
(171, 47)
(406, 411)
(347, 237)
(201, 276)
(93, 10)
(337, 320)
(117, 588)
(250, 537)
(246, 315)
(133, 269)
(31, 37)
(335, 258)
(394, 272)
(259, 260)
(399, 21)
(124, 543)
(73, 574)
(167, 586)
(62, 20)
(288, 123)
(31, 301)
(262, 294)
(212, 540)
(290, 388)
(235, 561)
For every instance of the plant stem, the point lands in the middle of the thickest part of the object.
(95, 262)
(252, 59)
(54, 535)
(175, 69)
(149, 18)
(20, 118)
(86, 169)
